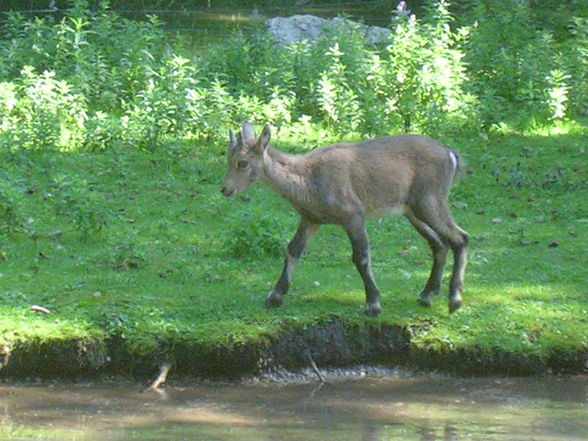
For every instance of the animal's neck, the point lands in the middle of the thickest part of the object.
(286, 174)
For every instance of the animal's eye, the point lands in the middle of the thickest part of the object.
(242, 164)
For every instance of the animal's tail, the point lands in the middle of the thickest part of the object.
(458, 165)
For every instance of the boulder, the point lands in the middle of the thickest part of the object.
(287, 30)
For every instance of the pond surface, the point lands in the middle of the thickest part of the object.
(372, 408)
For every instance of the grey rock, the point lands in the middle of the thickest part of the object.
(288, 30)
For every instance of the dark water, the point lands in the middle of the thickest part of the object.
(373, 408)
(212, 22)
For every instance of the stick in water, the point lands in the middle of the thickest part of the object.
(161, 378)
(316, 369)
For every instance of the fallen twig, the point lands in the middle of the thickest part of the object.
(317, 371)
(317, 389)
(187, 221)
(161, 378)
(40, 309)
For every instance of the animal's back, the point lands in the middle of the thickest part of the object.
(382, 175)
(399, 147)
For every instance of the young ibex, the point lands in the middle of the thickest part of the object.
(344, 184)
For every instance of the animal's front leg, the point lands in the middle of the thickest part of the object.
(306, 230)
(361, 258)
(440, 250)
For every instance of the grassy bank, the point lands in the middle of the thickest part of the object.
(141, 248)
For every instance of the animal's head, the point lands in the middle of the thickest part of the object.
(245, 159)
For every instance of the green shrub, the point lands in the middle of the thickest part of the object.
(11, 220)
(419, 81)
(337, 100)
(575, 61)
(340, 60)
(248, 64)
(126, 256)
(211, 109)
(558, 94)
(40, 112)
(104, 130)
(81, 203)
(514, 66)
(104, 57)
(92, 79)
(257, 234)
(161, 107)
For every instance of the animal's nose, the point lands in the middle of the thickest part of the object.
(226, 192)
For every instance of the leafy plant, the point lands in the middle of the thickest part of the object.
(126, 256)
(558, 93)
(210, 109)
(81, 203)
(257, 234)
(40, 113)
(422, 75)
(11, 220)
(103, 56)
(515, 66)
(103, 131)
(337, 100)
(575, 60)
(161, 107)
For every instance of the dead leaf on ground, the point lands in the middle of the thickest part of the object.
(40, 309)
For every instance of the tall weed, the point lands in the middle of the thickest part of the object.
(259, 235)
(40, 112)
(338, 101)
(105, 57)
(81, 203)
(514, 65)
(11, 219)
(161, 107)
(575, 61)
(93, 79)
(419, 80)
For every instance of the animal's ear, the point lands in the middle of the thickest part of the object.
(247, 133)
(264, 140)
(232, 140)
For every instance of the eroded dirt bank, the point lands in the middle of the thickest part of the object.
(332, 344)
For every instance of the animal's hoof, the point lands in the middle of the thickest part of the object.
(373, 309)
(426, 297)
(427, 302)
(454, 305)
(273, 301)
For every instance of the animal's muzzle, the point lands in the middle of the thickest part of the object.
(227, 191)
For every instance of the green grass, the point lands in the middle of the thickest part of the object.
(142, 244)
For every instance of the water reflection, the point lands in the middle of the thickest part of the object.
(368, 409)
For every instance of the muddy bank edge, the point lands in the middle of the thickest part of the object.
(329, 345)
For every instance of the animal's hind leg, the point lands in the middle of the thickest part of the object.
(460, 256)
(436, 215)
(357, 233)
(440, 251)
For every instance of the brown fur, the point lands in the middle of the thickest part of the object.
(344, 184)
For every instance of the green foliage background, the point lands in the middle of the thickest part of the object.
(93, 79)
(112, 148)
